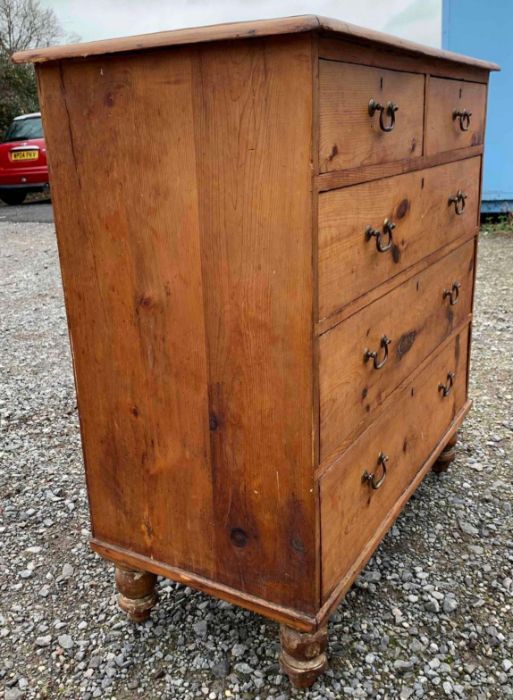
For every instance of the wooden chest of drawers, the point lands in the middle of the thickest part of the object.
(267, 239)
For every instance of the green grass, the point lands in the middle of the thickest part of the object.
(500, 223)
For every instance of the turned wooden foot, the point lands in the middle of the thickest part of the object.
(303, 656)
(137, 593)
(446, 456)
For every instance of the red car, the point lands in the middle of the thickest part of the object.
(23, 166)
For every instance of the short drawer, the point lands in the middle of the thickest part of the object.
(352, 134)
(402, 328)
(455, 114)
(353, 511)
(370, 232)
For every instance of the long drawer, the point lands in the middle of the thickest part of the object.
(402, 328)
(351, 134)
(410, 216)
(455, 114)
(357, 493)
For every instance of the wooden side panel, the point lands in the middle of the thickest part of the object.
(351, 511)
(416, 203)
(253, 112)
(443, 132)
(122, 154)
(415, 317)
(349, 136)
(182, 189)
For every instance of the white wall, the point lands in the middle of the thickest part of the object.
(417, 20)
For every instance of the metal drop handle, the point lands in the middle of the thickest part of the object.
(464, 118)
(445, 389)
(383, 238)
(459, 201)
(453, 293)
(387, 110)
(373, 355)
(373, 479)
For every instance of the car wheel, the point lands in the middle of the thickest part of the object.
(14, 197)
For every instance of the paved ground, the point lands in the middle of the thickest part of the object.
(36, 211)
(432, 616)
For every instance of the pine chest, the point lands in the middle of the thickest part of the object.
(267, 238)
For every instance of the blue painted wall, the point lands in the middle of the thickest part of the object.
(485, 30)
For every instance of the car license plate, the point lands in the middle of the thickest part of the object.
(24, 155)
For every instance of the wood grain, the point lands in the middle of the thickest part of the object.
(443, 133)
(361, 302)
(354, 176)
(351, 511)
(189, 290)
(349, 136)
(220, 308)
(255, 209)
(389, 402)
(417, 203)
(346, 581)
(303, 656)
(127, 224)
(415, 317)
(315, 301)
(126, 557)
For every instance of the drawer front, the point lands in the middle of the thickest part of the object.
(349, 135)
(447, 127)
(416, 317)
(421, 218)
(352, 511)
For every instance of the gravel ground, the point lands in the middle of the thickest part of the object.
(430, 617)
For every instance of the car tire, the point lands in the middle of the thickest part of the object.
(14, 197)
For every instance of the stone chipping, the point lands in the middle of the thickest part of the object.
(431, 616)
